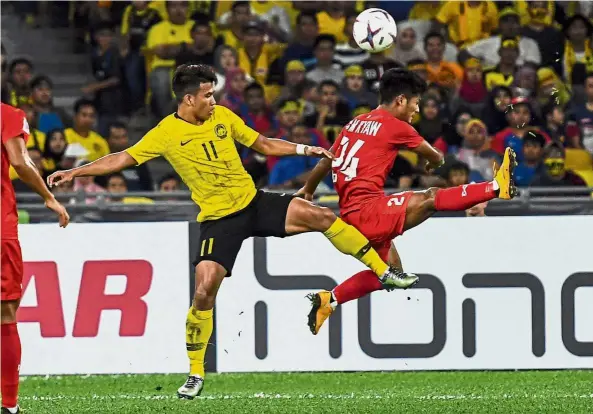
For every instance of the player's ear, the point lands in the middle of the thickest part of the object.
(401, 100)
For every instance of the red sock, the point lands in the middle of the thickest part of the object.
(10, 359)
(463, 197)
(357, 286)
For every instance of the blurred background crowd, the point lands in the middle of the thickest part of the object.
(505, 73)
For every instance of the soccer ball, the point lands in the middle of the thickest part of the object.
(374, 30)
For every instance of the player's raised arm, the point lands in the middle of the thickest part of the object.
(280, 147)
(434, 158)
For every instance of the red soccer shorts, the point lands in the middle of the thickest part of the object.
(12, 270)
(381, 220)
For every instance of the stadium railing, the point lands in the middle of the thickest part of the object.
(178, 206)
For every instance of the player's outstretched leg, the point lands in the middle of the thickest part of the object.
(424, 204)
(303, 216)
(10, 359)
(361, 284)
(199, 325)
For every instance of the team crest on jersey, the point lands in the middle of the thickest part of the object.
(220, 131)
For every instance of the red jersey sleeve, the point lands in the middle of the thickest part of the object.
(14, 123)
(403, 135)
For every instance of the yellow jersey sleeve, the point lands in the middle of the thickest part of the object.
(240, 132)
(152, 145)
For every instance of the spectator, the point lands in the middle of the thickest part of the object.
(509, 28)
(86, 185)
(292, 172)
(533, 151)
(289, 114)
(424, 10)
(225, 58)
(331, 114)
(137, 20)
(457, 173)
(138, 177)
(418, 66)
(234, 88)
(294, 81)
(48, 116)
(169, 183)
(582, 117)
(55, 148)
(525, 83)
(554, 172)
(551, 87)
(302, 46)
(374, 67)
(453, 133)
(498, 104)
(117, 185)
(201, 50)
(577, 60)
(325, 68)
(430, 126)
(107, 88)
(503, 73)
(240, 15)
(520, 121)
(37, 138)
(20, 73)
(554, 124)
(85, 116)
(355, 90)
(468, 21)
(333, 20)
(275, 17)
(476, 152)
(165, 40)
(256, 56)
(447, 74)
(473, 93)
(349, 53)
(255, 112)
(548, 39)
(406, 47)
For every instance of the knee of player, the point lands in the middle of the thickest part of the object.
(324, 218)
(206, 277)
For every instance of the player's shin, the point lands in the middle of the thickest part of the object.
(10, 361)
(198, 329)
(357, 286)
(348, 240)
(464, 196)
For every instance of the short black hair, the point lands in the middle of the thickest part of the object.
(430, 35)
(118, 125)
(549, 108)
(81, 103)
(116, 174)
(304, 14)
(324, 38)
(200, 23)
(534, 137)
(39, 80)
(169, 176)
(458, 166)
(188, 78)
(253, 86)
(398, 81)
(20, 61)
(327, 82)
(239, 4)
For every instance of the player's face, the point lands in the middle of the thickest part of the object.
(203, 102)
(407, 108)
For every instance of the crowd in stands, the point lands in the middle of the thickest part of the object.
(508, 73)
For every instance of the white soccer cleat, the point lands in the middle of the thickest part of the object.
(192, 388)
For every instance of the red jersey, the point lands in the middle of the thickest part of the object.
(14, 124)
(365, 151)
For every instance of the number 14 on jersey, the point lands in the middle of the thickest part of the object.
(346, 162)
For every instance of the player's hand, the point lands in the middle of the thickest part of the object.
(303, 193)
(57, 207)
(429, 167)
(60, 177)
(318, 152)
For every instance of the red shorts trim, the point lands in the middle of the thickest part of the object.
(12, 270)
(381, 219)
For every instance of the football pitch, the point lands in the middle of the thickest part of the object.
(388, 392)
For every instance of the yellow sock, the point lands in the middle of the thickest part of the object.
(349, 240)
(198, 328)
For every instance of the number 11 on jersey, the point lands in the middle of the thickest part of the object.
(346, 162)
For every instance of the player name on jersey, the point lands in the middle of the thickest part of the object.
(364, 127)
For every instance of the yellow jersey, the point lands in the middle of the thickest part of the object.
(468, 24)
(167, 33)
(206, 159)
(94, 143)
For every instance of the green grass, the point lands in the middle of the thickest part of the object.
(393, 392)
